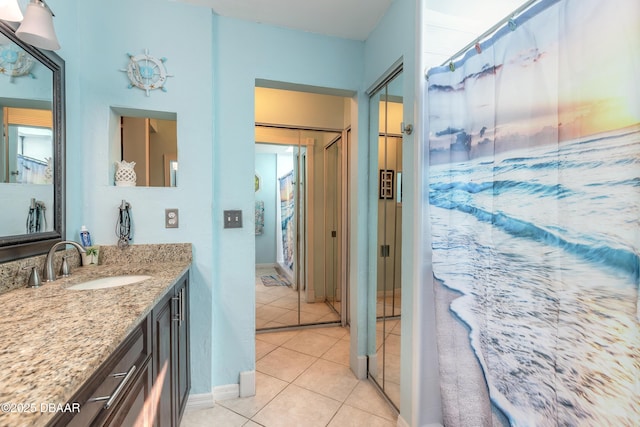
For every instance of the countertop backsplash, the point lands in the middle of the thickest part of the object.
(15, 274)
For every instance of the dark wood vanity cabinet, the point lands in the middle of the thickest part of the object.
(171, 354)
(146, 381)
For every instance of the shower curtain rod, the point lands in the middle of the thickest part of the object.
(490, 31)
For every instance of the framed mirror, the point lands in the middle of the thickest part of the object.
(32, 148)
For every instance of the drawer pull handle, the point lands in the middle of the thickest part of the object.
(110, 399)
(179, 317)
(182, 298)
(176, 316)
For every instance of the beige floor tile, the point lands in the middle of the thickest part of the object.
(309, 318)
(392, 344)
(311, 343)
(392, 390)
(365, 397)
(262, 324)
(329, 379)
(397, 330)
(250, 424)
(269, 312)
(336, 332)
(216, 416)
(267, 387)
(339, 353)
(329, 317)
(316, 307)
(391, 367)
(348, 416)
(266, 297)
(289, 302)
(295, 407)
(263, 348)
(391, 325)
(277, 338)
(284, 364)
(268, 325)
(290, 318)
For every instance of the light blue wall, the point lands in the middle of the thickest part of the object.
(96, 37)
(246, 51)
(266, 242)
(213, 95)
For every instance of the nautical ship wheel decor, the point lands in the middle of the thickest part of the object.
(15, 62)
(146, 72)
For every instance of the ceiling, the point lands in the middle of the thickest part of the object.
(350, 19)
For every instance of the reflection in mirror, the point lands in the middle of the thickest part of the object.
(298, 227)
(151, 141)
(31, 147)
(386, 114)
(26, 155)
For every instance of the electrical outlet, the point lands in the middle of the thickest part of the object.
(171, 218)
(233, 219)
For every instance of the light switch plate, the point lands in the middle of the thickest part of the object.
(171, 218)
(233, 219)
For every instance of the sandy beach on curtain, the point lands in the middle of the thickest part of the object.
(463, 387)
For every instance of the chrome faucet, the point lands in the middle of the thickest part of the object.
(48, 273)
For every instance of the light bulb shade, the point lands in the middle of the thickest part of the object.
(37, 27)
(10, 11)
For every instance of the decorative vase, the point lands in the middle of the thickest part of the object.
(125, 175)
(90, 258)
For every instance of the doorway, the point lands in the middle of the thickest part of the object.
(386, 112)
(300, 239)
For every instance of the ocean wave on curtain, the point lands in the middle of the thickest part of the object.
(534, 201)
(287, 219)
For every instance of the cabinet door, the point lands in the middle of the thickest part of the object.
(136, 408)
(181, 355)
(162, 361)
(171, 354)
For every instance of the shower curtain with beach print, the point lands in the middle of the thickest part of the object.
(534, 205)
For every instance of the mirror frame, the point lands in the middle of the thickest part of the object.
(25, 245)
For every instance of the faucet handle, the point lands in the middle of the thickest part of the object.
(65, 271)
(34, 278)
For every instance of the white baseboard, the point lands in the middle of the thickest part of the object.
(225, 392)
(360, 367)
(200, 401)
(266, 265)
(403, 423)
(247, 383)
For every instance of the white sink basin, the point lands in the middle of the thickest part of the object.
(108, 282)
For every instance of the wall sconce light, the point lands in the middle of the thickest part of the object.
(37, 26)
(10, 11)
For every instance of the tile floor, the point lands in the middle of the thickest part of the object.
(302, 379)
(277, 306)
(388, 372)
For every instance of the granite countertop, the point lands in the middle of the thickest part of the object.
(54, 339)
